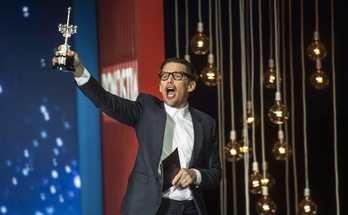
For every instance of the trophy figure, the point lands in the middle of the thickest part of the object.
(65, 62)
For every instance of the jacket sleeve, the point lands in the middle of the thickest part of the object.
(211, 176)
(123, 110)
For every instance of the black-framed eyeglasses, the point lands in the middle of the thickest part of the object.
(177, 75)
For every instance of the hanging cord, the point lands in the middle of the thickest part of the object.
(219, 51)
(293, 131)
(199, 11)
(304, 103)
(231, 65)
(276, 42)
(210, 29)
(334, 110)
(252, 54)
(220, 67)
(316, 16)
(261, 85)
(244, 97)
(220, 71)
(247, 48)
(176, 29)
(270, 29)
(186, 27)
(263, 151)
(283, 48)
(221, 117)
(234, 177)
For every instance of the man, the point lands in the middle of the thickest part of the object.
(192, 132)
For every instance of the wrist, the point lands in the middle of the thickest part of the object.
(79, 69)
(193, 175)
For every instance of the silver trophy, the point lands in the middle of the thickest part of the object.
(65, 62)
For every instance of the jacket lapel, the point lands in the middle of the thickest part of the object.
(161, 124)
(198, 136)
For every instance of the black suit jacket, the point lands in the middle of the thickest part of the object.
(148, 117)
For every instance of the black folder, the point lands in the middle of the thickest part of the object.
(170, 167)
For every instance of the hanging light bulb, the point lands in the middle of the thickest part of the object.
(255, 180)
(200, 42)
(245, 145)
(232, 149)
(209, 75)
(265, 206)
(281, 150)
(278, 113)
(270, 76)
(251, 116)
(316, 50)
(307, 206)
(267, 180)
(319, 79)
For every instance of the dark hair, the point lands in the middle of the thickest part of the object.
(189, 67)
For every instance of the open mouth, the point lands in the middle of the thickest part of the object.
(170, 92)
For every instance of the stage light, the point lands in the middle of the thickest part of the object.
(319, 80)
(270, 76)
(307, 206)
(316, 50)
(209, 75)
(281, 150)
(245, 145)
(268, 181)
(232, 149)
(265, 206)
(255, 180)
(200, 42)
(251, 116)
(278, 113)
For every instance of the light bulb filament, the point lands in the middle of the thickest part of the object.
(279, 113)
(317, 51)
(244, 149)
(282, 150)
(266, 207)
(210, 75)
(272, 78)
(200, 43)
(250, 120)
(233, 151)
(319, 80)
(256, 183)
(264, 181)
(307, 208)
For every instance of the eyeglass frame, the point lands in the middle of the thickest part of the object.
(161, 73)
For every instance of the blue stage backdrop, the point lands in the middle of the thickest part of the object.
(39, 165)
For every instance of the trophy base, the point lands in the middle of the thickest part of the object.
(64, 63)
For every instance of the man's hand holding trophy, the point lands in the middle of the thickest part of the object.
(63, 61)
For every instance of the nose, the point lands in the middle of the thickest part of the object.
(170, 78)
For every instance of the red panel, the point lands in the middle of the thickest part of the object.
(131, 49)
(151, 44)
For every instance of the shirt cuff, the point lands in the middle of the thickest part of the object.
(199, 177)
(84, 78)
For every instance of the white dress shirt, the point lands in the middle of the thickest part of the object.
(183, 140)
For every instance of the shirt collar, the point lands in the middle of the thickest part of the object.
(181, 113)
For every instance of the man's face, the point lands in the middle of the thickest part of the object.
(175, 92)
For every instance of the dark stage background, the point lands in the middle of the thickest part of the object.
(319, 102)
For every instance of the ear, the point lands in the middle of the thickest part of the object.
(192, 86)
(160, 88)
